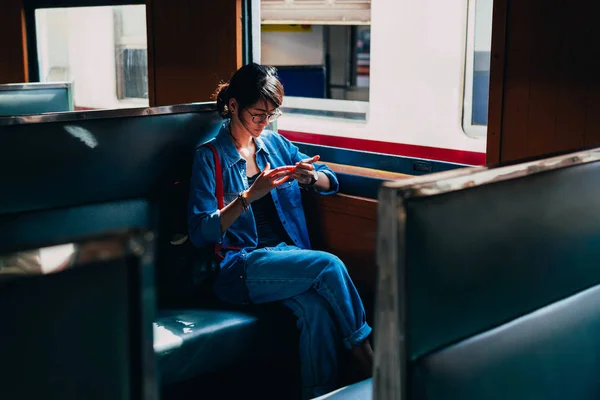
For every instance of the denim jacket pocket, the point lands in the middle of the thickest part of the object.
(289, 194)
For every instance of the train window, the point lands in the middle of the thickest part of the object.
(477, 71)
(321, 49)
(102, 50)
(131, 53)
(324, 68)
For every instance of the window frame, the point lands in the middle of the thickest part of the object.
(472, 131)
(327, 108)
(316, 12)
(127, 43)
(30, 6)
(309, 107)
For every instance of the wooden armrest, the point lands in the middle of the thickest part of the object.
(367, 172)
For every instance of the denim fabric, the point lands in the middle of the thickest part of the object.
(241, 238)
(315, 285)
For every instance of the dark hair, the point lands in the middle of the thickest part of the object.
(251, 83)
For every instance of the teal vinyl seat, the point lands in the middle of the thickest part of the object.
(112, 170)
(489, 283)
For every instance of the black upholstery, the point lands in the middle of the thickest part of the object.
(491, 289)
(359, 391)
(552, 353)
(190, 342)
(78, 333)
(97, 174)
(495, 252)
(26, 230)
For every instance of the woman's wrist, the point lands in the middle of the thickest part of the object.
(315, 178)
(248, 195)
(242, 198)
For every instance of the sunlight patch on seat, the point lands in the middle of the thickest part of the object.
(164, 339)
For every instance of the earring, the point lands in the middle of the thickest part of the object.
(226, 109)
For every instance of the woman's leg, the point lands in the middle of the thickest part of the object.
(318, 343)
(283, 272)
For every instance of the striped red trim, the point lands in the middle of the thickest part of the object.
(397, 149)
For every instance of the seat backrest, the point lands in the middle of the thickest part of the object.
(104, 170)
(35, 98)
(484, 267)
(77, 320)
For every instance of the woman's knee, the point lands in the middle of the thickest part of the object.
(310, 308)
(331, 262)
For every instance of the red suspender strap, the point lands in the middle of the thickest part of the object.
(219, 185)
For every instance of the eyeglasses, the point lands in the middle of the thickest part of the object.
(260, 118)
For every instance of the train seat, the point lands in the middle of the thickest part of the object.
(101, 180)
(362, 390)
(194, 341)
(498, 297)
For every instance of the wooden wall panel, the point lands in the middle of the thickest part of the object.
(347, 227)
(516, 82)
(497, 69)
(572, 86)
(589, 19)
(543, 76)
(193, 45)
(13, 57)
(548, 79)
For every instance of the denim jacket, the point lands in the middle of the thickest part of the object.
(241, 238)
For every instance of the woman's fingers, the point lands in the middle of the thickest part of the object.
(311, 160)
(267, 168)
(305, 166)
(280, 174)
(280, 181)
(280, 170)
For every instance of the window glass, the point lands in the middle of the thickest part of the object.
(329, 62)
(321, 49)
(101, 50)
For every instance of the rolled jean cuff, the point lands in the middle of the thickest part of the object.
(358, 337)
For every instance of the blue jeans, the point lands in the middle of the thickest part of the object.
(316, 286)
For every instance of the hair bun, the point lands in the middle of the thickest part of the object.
(222, 98)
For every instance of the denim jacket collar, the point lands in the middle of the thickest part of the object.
(230, 153)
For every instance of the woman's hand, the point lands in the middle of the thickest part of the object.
(267, 180)
(305, 172)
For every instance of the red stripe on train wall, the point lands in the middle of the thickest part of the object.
(397, 149)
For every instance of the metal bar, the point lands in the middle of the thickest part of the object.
(449, 181)
(72, 254)
(35, 86)
(106, 114)
(389, 378)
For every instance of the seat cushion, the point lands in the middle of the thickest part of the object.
(192, 342)
(552, 353)
(359, 391)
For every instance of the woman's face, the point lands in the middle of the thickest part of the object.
(255, 118)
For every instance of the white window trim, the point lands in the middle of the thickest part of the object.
(255, 39)
(319, 12)
(474, 131)
(337, 105)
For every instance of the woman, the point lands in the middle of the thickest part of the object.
(266, 254)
